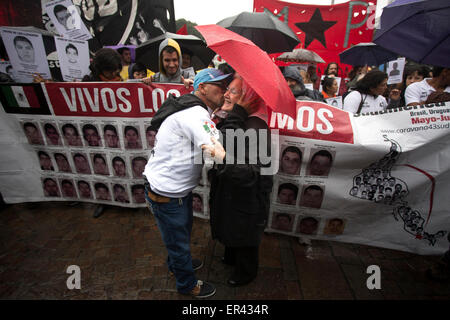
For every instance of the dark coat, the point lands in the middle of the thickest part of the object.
(240, 195)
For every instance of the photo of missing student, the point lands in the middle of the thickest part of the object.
(84, 189)
(50, 186)
(282, 221)
(308, 226)
(138, 165)
(110, 136)
(290, 160)
(102, 191)
(81, 163)
(312, 196)
(334, 226)
(99, 163)
(121, 193)
(132, 138)
(33, 133)
(197, 203)
(45, 162)
(71, 135)
(138, 193)
(320, 163)
(68, 188)
(287, 193)
(91, 136)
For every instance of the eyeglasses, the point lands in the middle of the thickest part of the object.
(233, 91)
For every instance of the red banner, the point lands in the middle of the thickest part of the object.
(326, 30)
(315, 120)
(109, 99)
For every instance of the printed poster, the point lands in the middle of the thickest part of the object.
(73, 58)
(26, 53)
(394, 69)
(67, 20)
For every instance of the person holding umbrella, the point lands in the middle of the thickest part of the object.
(240, 193)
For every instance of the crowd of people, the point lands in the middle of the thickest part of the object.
(222, 100)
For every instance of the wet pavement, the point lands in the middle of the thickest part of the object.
(121, 256)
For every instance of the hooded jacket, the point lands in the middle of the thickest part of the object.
(301, 93)
(162, 76)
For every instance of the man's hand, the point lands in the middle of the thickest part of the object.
(394, 94)
(214, 151)
(147, 80)
(37, 78)
(187, 82)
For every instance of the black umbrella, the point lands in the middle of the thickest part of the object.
(266, 31)
(148, 52)
(417, 29)
(367, 53)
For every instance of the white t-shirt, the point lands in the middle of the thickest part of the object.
(175, 165)
(370, 104)
(419, 91)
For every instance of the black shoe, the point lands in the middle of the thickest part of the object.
(237, 283)
(203, 290)
(197, 264)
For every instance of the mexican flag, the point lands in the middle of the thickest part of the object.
(20, 96)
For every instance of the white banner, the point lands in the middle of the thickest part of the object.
(379, 179)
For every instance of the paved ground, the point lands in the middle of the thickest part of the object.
(121, 256)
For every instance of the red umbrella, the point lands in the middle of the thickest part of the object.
(253, 65)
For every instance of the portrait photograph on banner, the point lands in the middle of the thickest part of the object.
(67, 20)
(26, 53)
(73, 58)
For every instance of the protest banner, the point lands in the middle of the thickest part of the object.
(376, 179)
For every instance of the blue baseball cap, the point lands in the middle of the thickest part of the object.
(209, 75)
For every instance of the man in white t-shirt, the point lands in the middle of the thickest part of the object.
(418, 92)
(174, 169)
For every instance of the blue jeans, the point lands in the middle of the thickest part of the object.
(174, 221)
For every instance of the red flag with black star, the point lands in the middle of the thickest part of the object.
(326, 30)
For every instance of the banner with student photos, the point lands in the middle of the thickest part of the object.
(379, 179)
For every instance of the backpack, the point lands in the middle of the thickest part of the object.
(173, 105)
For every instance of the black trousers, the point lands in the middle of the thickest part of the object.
(245, 261)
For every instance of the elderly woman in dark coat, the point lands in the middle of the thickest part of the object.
(240, 193)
